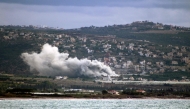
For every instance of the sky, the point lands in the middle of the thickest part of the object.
(70, 14)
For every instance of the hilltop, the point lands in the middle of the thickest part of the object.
(142, 30)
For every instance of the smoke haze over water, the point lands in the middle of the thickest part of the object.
(50, 62)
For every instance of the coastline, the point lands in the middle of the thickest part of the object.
(47, 97)
(89, 96)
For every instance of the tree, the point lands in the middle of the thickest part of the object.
(104, 92)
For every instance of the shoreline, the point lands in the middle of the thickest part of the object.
(19, 98)
(88, 96)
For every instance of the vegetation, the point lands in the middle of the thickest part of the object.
(168, 76)
(17, 80)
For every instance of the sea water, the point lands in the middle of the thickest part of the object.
(94, 104)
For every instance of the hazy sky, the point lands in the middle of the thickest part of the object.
(79, 13)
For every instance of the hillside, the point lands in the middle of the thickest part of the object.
(142, 30)
(129, 49)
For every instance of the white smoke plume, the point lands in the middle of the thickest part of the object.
(50, 62)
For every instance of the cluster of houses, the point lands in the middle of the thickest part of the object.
(124, 56)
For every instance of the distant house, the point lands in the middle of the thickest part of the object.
(147, 55)
(179, 54)
(58, 77)
(149, 63)
(174, 62)
(134, 28)
(160, 27)
(90, 51)
(6, 37)
(122, 42)
(154, 56)
(113, 92)
(120, 53)
(140, 53)
(65, 77)
(170, 54)
(140, 91)
(157, 64)
(106, 78)
(131, 78)
(22, 34)
(117, 66)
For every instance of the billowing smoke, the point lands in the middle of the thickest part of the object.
(50, 62)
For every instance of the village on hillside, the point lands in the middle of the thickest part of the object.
(127, 57)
